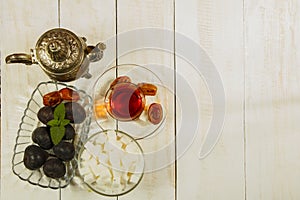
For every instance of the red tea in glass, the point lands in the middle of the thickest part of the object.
(125, 101)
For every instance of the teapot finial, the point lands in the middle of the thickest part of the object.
(58, 50)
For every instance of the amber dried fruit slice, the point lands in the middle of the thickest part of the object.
(68, 94)
(148, 89)
(52, 99)
(121, 79)
(155, 113)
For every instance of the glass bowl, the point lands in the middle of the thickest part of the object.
(139, 127)
(28, 124)
(111, 163)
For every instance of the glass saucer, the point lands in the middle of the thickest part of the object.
(139, 127)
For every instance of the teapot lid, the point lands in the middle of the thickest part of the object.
(59, 51)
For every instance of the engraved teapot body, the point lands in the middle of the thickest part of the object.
(61, 54)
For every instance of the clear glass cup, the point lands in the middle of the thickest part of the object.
(125, 101)
(124, 105)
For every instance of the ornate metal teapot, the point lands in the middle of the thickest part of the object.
(61, 54)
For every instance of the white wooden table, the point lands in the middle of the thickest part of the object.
(255, 46)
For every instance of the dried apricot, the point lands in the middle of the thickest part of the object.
(69, 95)
(148, 89)
(52, 99)
(155, 113)
(121, 79)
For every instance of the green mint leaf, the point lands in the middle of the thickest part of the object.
(59, 112)
(53, 122)
(57, 133)
(64, 122)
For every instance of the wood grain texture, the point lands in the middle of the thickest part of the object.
(254, 45)
(272, 99)
(94, 20)
(22, 23)
(139, 14)
(218, 29)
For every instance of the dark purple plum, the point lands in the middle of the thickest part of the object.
(34, 157)
(64, 151)
(69, 133)
(41, 136)
(45, 114)
(75, 112)
(54, 168)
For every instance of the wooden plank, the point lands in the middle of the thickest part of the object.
(159, 181)
(22, 23)
(218, 29)
(272, 91)
(94, 20)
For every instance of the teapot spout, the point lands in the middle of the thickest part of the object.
(19, 58)
(95, 53)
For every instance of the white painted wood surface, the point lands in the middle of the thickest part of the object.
(139, 14)
(272, 44)
(254, 46)
(21, 25)
(218, 29)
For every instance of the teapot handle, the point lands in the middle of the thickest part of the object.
(19, 58)
(95, 53)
